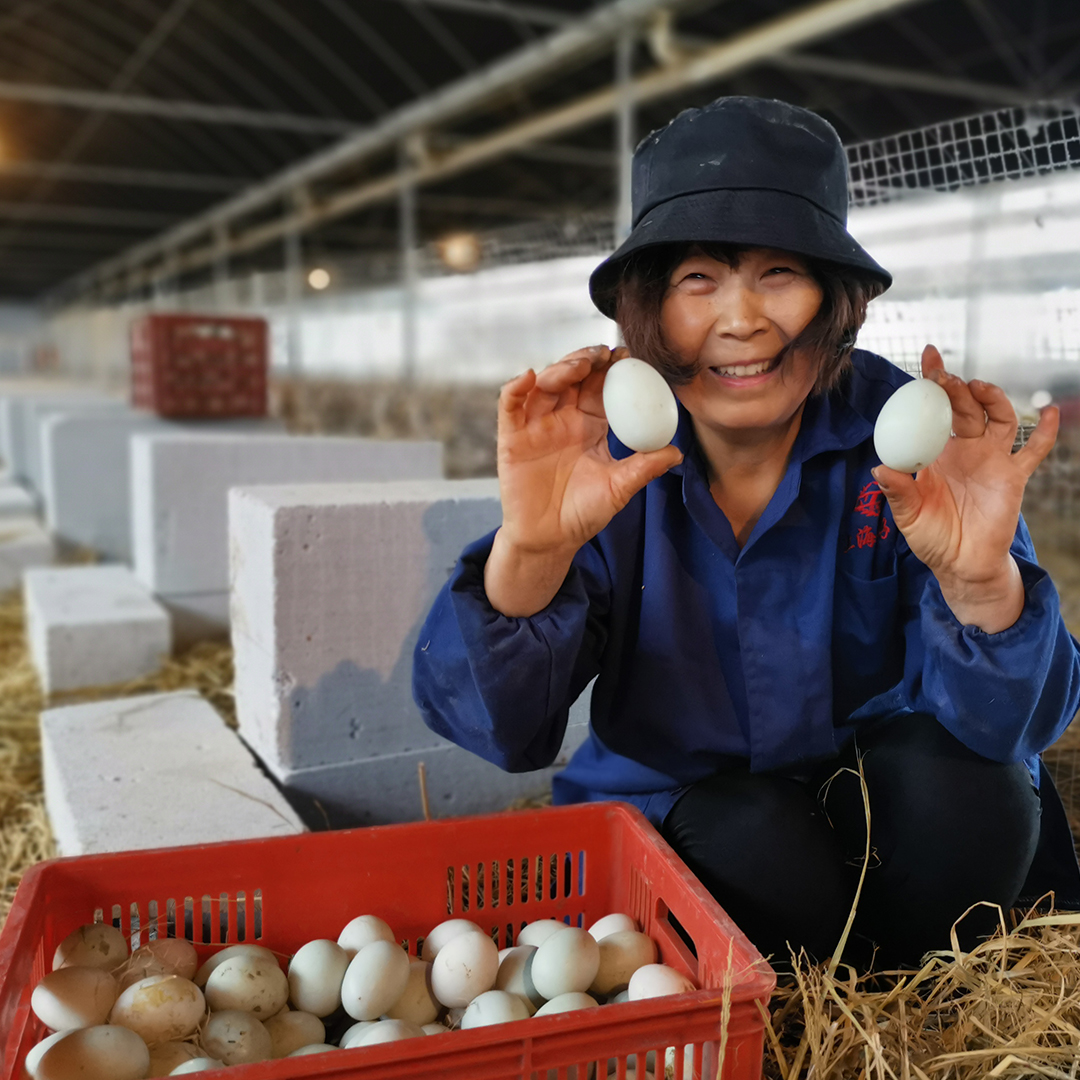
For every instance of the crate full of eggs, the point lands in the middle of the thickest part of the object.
(559, 944)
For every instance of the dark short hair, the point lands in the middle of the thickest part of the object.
(638, 295)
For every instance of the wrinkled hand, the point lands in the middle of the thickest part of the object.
(959, 515)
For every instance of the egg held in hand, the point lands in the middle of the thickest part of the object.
(913, 426)
(639, 405)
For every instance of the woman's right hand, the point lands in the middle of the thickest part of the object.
(558, 482)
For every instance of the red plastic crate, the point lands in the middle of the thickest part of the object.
(575, 863)
(199, 365)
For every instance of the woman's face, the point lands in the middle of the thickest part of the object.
(734, 322)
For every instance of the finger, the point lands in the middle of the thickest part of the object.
(1001, 422)
(631, 474)
(969, 417)
(1041, 441)
(621, 353)
(931, 361)
(512, 398)
(589, 352)
(902, 493)
(555, 378)
(591, 394)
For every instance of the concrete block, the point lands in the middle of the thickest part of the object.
(197, 616)
(92, 626)
(32, 411)
(15, 500)
(23, 544)
(153, 771)
(180, 485)
(86, 467)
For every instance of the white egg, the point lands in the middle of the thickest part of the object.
(353, 1033)
(236, 1038)
(35, 1053)
(165, 1058)
(611, 924)
(566, 962)
(444, 932)
(621, 998)
(464, 968)
(639, 405)
(913, 426)
(314, 1048)
(248, 983)
(657, 980)
(495, 1007)
(74, 997)
(536, 933)
(289, 1031)
(511, 976)
(567, 1003)
(197, 1065)
(434, 1029)
(315, 976)
(621, 954)
(417, 1002)
(374, 980)
(388, 1031)
(228, 953)
(102, 1052)
(363, 930)
(166, 956)
(93, 945)
(160, 1009)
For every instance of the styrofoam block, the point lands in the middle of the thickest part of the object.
(15, 500)
(92, 626)
(23, 544)
(34, 412)
(180, 485)
(153, 771)
(86, 471)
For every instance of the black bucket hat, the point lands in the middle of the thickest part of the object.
(740, 170)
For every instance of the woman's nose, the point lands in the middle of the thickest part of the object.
(738, 312)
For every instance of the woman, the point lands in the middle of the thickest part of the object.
(763, 600)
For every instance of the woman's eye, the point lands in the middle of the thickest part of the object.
(779, 270)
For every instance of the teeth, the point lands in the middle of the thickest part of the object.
(745, 369)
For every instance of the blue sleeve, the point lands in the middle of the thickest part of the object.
(502, 687)
(1009, 695)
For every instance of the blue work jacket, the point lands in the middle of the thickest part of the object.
(775, 653)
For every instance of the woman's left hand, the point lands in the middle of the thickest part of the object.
(959, 514)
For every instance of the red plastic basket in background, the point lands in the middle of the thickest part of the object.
(575, 863)
(199, 366)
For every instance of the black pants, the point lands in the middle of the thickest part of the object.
(948, 829)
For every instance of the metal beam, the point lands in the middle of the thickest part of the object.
(114, 175)
(191, 111)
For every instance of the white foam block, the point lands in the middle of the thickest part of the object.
(92, 626)
(86, 471)
(180, 485)
(15, 500)
(153, 771)
(23, 544)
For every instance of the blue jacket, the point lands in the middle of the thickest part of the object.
(824, 621)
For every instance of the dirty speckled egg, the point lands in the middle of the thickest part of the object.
(621, 954)
(229, 953)
(657, 980)
(35, 1053)
(567, 1003)
(463, 969)
(612, 924)
(913, 426)
(165, 1057)
(197, 1065)
(363, 930)
(101, 1052)
(248, 983)
(495, 1007)
(166, 956)
(417, 1002)
(312, 1048)
(444, 932)
(536, 933)
(639, 405)
(74, 997)
(160, 1009)
(289, 1031)
(236, 1038)
(388, 1031)
(315, 976)
(566, 962)
(511, 976)
(374, 980)
(93, 945)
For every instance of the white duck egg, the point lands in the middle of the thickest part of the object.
(495, 1007)
(612, 924)
(463, 969)
(228, 953)
(417, 1002)
(197, 1065)
(93, 945)
(160, 1009)
(315, 976)
(511, 976)
(658, 980)
(166, 956)
(165, 1058)
(35, 1053)
(236, 1037)
(536, 933)
(567, 1003)
(363, 930)
(314, 1048)
(289, 1031)
(566, 962)
(444, 932)
(374, 980)
(621, 954)
(639, 405)
(913, 426)
(250, 984)
(434, 1028)
(74, 997)
(388, 1031)
(102, 1052)
(353, 1033)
